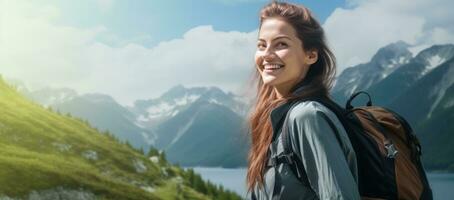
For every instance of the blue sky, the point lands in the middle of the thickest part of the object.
(139, 49)
(150, 22)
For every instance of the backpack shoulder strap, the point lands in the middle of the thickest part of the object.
(290, 157)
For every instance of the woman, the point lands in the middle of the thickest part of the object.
(293, 62)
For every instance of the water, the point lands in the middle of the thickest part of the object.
(232, 179)
(235, 179)
(442, 185)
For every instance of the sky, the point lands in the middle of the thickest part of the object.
(139, 49)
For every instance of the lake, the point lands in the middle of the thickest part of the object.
(234, 179)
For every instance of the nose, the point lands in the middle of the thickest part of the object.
(269, 55)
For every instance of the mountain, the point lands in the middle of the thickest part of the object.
(106, 114)
(437, 134)
(390, 88)
(100, 110)
(205, 134)
(429, 106)
(49, 96)
(419, 101)
(46, 155)
(363, 76)
(203, 122)
(177, 122)
(153, 112)
(421, 90)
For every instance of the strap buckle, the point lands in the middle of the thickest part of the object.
(391, 150)
(288, 158)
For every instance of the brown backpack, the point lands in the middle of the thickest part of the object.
(387, 151)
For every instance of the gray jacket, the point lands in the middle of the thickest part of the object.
(330, 165)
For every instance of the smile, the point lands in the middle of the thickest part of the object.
(272, 67)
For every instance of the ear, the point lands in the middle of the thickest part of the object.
(311, 56)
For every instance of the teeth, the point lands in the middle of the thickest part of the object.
(273, 66)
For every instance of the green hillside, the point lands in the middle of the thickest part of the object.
(45, 153)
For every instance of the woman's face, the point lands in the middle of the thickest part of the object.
(280, 58)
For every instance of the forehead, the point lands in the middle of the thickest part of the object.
(274, 27)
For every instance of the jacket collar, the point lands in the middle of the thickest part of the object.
(278, 114)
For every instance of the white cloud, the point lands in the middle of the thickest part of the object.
(358, 31)
(42, 53)
(105, 5)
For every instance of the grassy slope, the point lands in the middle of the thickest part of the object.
(40, 149)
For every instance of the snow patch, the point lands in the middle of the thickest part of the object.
(352, 90)
(440, 90)
(352, 80)
(175, 112)
(214, 101)
(186, 99)
(396, 62)
(183, 130)
(166, 109)
(433, 62)
(163, 107)
(403, 60)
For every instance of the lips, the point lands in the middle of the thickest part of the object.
(272, 67)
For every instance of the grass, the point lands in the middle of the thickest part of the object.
(41, 149)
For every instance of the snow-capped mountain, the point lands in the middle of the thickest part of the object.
(50, 96)
(434, 56)
(394, 85)
(419, 102)
(100, 110)
(150, 113)
(204, 134)
(204, 122)
(362, 76)
(422, 91)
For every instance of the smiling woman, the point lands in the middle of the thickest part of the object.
(294, 63)
(280, 57)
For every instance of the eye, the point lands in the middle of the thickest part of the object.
(261, 46)
(281, 45)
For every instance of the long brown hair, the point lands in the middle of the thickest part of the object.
(317, 82)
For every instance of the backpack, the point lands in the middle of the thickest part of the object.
(387, 151)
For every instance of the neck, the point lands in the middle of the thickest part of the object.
(281, 92)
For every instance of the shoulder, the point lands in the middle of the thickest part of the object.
(312, 115)
(309, 110)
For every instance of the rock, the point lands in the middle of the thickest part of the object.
(62, 147)
(61, 193)
(139, 166)
(154, 159)
(90, 155)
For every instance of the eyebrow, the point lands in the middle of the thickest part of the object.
(276, 38)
